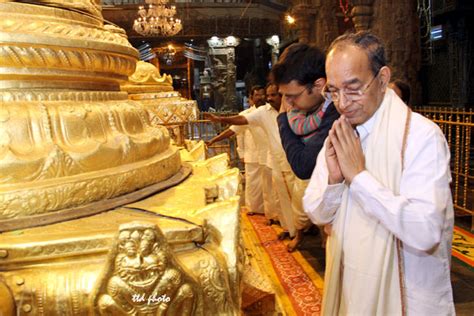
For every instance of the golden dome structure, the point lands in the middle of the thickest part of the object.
(98, 213)
(69, 136)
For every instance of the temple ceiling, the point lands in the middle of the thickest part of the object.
(201, 20)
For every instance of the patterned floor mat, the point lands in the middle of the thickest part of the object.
(463, 246)
(299, 281)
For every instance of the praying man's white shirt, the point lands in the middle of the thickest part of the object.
(420, 215)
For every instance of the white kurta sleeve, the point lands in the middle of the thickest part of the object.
(415, 216)
(321, 200)
(255, 118)
(239, 131)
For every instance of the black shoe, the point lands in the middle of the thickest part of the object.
(312, 230)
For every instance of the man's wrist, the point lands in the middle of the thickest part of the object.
(332, 181)
(349, 180)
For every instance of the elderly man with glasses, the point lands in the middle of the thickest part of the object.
(382, 181)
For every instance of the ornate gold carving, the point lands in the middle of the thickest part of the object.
(88, 6)
(61, 263)
(214, 283)
(162, 96)
(147, 74)
(147, 80)
(154, 91)
(144, 278)
(227, 237)
(19, 24)
(13, 95)
(7, 305)
(88, 236)
(34, 199)
(72, 160)
(74, 138)
(63, 49)
(55, 23)
(172, 112)
(63, 62)
(140, 89)
(68, 137)
(55, 250)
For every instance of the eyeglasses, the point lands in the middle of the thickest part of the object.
(350, 94)
(294, 96)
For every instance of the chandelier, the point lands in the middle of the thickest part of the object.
(157, 20)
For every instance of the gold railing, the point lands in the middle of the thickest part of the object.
(458, 125)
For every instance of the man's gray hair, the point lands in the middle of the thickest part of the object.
(366, 41)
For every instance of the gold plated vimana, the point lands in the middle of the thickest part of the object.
(98, 213)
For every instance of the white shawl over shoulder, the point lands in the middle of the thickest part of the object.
(368, 263)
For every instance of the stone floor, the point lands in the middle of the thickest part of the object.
(462, 276)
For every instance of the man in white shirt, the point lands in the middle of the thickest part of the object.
(382, 181)
(271, 203)
(250, 152)
(283, 178)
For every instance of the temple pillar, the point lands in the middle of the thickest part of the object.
(325, 26)
(362, 14)
(304, 13)
(397, 24)
(458, 55)
(222, 52)
(316, 21)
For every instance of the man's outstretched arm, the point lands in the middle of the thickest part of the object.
(224, 135)
(233, 120)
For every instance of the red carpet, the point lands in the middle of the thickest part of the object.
(302, 292)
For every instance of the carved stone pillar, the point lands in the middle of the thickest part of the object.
(230, 103)
(304, 13)
(458, 54)
(222, 52)
(362, 13)
(325, 27)
(397, 24)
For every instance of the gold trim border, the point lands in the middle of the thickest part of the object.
(54, 62)
(51, 95)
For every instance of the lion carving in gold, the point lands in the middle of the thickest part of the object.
(145, 278)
